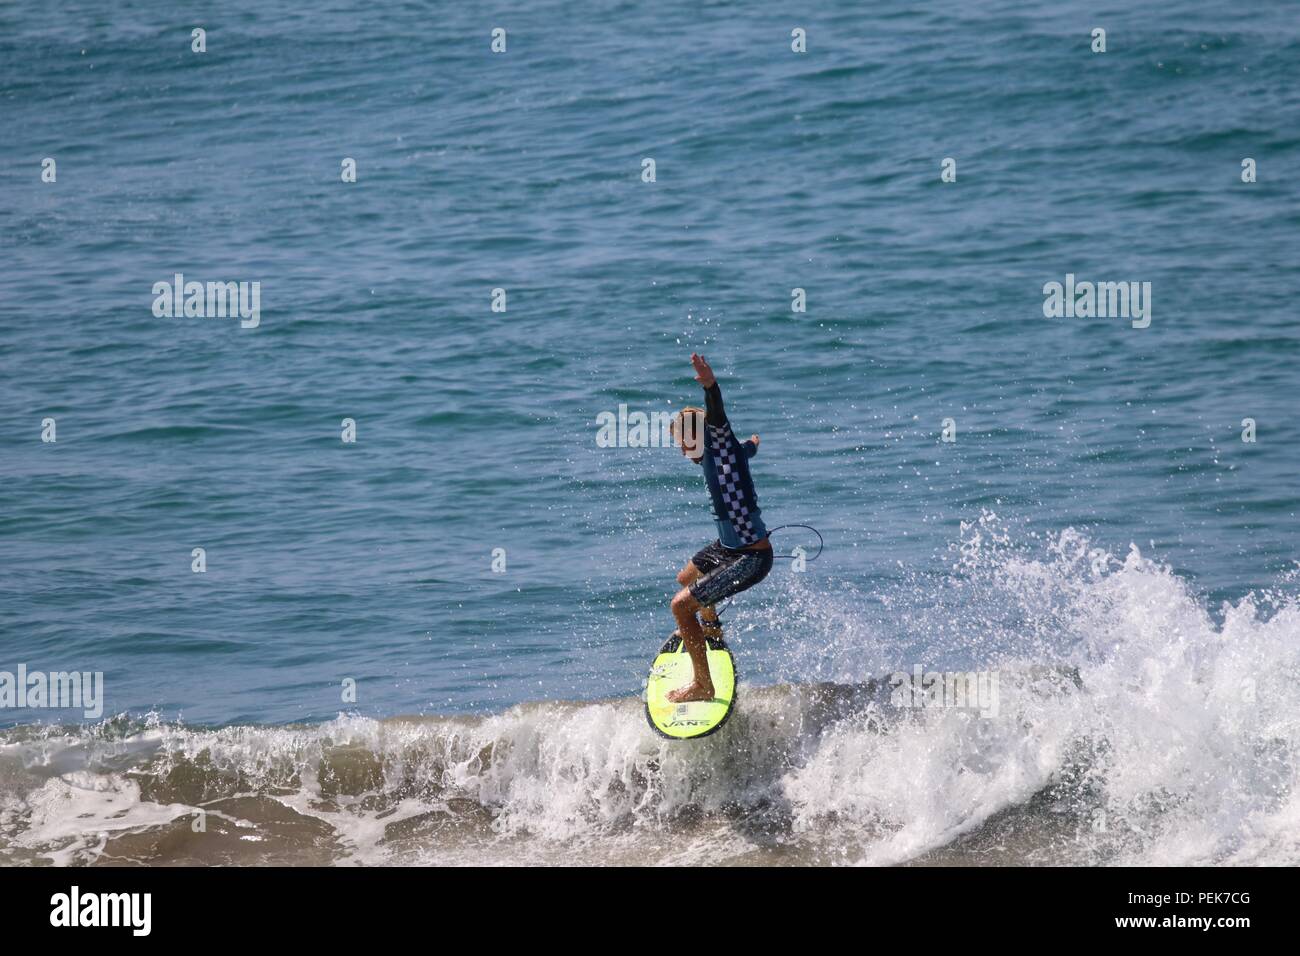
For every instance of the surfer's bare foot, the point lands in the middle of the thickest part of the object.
(691, 692)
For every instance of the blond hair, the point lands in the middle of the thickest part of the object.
(688, 433)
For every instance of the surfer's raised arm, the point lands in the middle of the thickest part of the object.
(715, 413)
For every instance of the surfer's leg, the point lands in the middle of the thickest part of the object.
(708, 615)
(684, 607)
(705, 562)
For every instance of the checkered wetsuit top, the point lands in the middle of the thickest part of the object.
(726, 470)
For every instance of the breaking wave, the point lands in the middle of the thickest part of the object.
(1133, 725)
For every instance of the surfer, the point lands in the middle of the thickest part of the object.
(742, 555)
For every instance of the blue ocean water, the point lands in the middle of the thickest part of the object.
(476, 429)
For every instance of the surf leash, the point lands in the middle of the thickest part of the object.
(821, 542)
(821, 545)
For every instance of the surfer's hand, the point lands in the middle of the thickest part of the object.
(754, 439)
(703, 374)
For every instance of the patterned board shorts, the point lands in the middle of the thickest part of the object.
(724, 573)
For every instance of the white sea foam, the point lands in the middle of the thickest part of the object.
(1136, 726)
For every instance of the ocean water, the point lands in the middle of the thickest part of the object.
(1098, 536)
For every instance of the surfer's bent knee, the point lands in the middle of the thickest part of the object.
(684, 602)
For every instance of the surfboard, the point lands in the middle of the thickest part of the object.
(672, 669)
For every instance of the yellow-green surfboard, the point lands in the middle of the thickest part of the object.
(671, 670)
